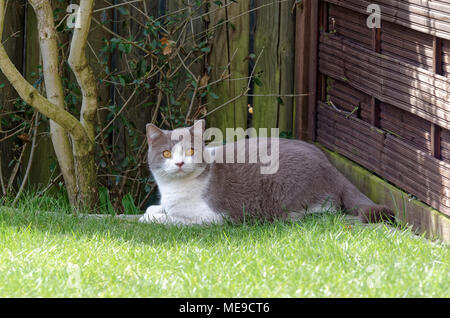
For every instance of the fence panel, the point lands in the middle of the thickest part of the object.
(385, 100)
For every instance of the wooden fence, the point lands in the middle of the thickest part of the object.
(381, 95)
(246, 29)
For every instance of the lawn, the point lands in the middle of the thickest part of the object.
(59, 255)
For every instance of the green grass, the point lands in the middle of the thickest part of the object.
(59, 255)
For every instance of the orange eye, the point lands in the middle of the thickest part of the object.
(167, 154)
(190, 152)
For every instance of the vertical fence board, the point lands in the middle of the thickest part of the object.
(301, 43)
(313, 69)
(286, 61)
(267, 39)
(275, 39)
(230, 48)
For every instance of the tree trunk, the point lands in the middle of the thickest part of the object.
(85, 153)
(53, 85)
(87, 194)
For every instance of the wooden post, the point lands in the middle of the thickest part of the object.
(376, 40)
(313, 68)
(301, 51)
(323, 27)
(435, 130)
(306, 41)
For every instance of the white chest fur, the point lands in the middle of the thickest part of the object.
(183, 200)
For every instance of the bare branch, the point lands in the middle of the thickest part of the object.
(83, 72)
(30, 159)
(31, 95)
(33, 98)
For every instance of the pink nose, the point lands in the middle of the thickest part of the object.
(180, 164)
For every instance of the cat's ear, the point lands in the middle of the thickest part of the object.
(199, 126)
(153, 132)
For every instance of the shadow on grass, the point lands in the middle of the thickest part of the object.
(60, 223)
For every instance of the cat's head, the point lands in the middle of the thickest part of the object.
(176, 153)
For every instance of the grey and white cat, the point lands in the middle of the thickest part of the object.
(195, 192)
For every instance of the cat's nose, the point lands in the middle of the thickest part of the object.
(180, 164)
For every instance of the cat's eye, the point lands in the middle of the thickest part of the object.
(167, 154)
(190, 152)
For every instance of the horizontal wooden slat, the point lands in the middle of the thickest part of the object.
(427, 16)
(404, 182)
(413, 129)
(407, 45)
(351, 25)
(428, 189)
(423, 173)
(377, 135)
(399, 162)
(402, 76)
(405, 74)
(410, 88)
(348, 98)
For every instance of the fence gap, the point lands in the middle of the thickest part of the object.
(436, 130)
(375, 103)
(319, 18)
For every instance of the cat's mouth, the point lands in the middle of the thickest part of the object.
(180, 172)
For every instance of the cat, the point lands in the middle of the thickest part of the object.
(209, 190)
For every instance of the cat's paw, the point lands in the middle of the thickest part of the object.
(154, 214)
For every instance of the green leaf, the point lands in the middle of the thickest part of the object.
(128, 205)
(105, 205)
(257, 81)
(122, 80)
(124, 11)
